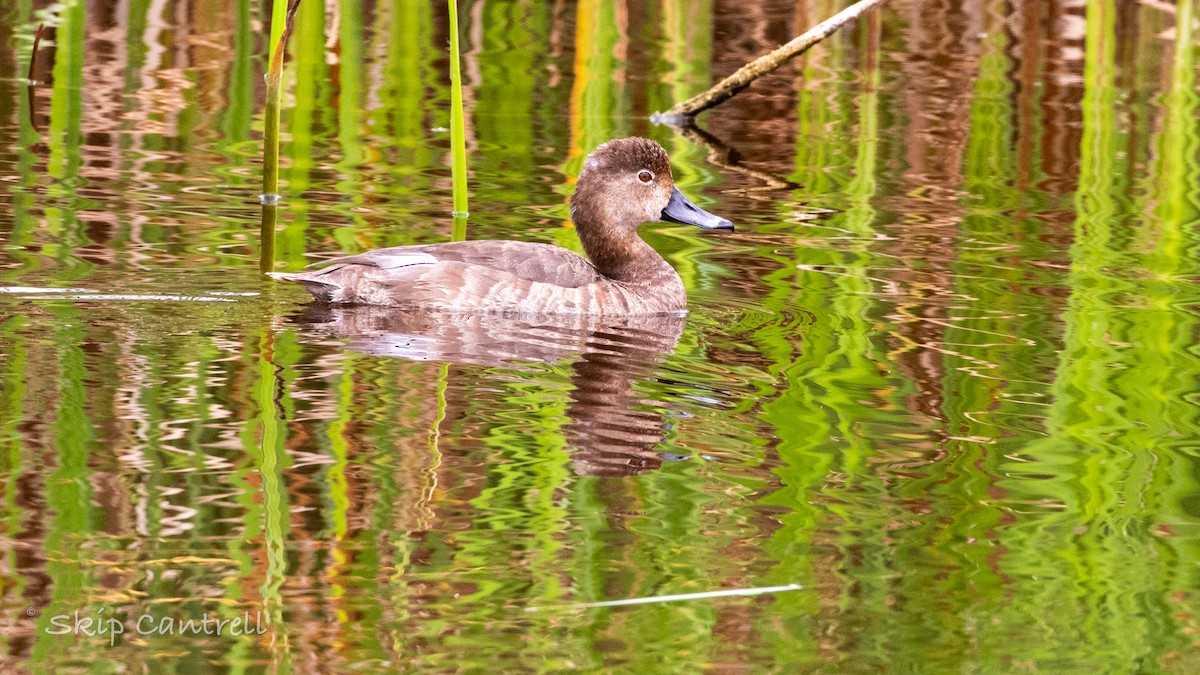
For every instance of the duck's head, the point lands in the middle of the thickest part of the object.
(627, 182)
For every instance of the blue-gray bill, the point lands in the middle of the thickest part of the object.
(681, 210)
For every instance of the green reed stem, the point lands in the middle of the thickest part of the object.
(282, 18)
(458, 142)
(266, 232)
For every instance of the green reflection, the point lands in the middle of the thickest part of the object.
(946, 381)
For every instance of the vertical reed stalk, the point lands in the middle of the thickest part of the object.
(458, 143)
(282, 18)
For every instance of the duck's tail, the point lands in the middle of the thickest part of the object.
(322, 290)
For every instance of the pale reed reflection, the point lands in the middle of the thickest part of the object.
(613, 429)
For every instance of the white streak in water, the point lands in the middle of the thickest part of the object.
(37, 293)
(674, 598)
(92, 297)
(22, 290)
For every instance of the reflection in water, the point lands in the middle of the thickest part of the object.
(613, 431)
(948, 367)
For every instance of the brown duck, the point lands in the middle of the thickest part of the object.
(624, 183)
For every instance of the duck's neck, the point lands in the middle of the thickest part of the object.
(621, 255)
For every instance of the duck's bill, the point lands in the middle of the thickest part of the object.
(681, 210)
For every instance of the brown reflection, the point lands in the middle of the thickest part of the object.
(727, 157)
(613, 430)
(29, 81)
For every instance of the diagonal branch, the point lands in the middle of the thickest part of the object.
(727, 88)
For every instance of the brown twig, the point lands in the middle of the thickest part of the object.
(727, 88)
(29, 81)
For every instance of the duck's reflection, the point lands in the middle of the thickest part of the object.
(613, 430)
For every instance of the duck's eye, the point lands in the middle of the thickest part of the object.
(645, 176)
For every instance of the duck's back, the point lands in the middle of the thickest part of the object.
(501, 276)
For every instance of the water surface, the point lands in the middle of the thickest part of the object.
(944, 376)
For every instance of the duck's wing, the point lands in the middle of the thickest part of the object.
(458, 274)
(538, 263)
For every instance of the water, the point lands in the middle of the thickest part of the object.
(943, 377)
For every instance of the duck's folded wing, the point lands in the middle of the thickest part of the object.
(527, 261)
(386, 259)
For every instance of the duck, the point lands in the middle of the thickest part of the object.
(624, 184)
